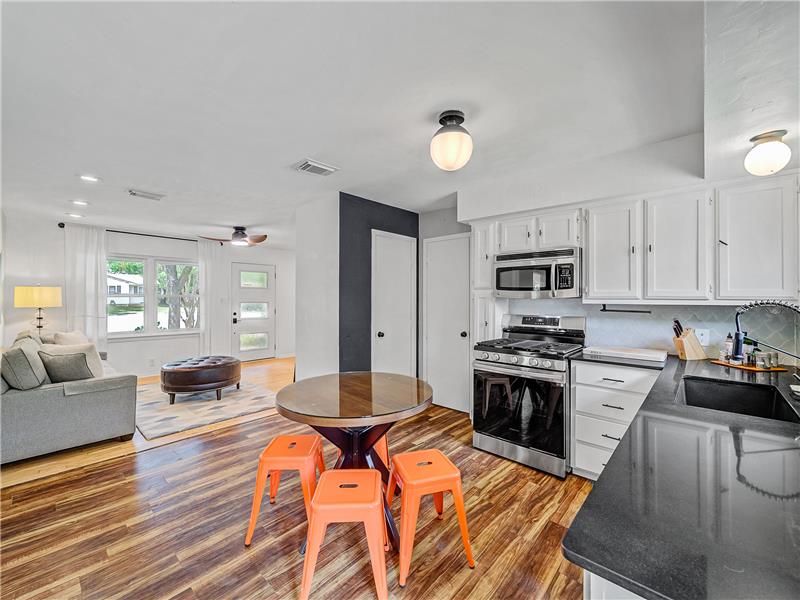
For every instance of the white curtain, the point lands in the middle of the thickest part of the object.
(214, 283)
(85, 281)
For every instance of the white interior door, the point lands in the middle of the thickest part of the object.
(253, 311)
(394, 303)
(445, 320)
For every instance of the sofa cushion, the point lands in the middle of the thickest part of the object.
(21, 366)
(66, 367)
(4, 387)
(92, 358)
(69, 338)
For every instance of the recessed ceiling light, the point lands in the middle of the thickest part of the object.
(75, 215)
(80, 203)
(90, 178)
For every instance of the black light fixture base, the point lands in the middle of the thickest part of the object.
(451, 117)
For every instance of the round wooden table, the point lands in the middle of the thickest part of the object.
(353, 411)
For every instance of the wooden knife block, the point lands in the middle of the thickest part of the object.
(688, 346)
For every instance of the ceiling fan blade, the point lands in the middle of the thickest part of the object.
(256, 239)
(215, 239)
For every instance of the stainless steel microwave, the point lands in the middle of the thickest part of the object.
(542, 274)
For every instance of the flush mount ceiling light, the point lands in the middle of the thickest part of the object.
(90, 178)
(451, 146)
(768, 155)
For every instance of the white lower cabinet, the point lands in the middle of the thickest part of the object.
(605, 399)
(597, 588)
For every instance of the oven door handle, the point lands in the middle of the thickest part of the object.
(554, 378)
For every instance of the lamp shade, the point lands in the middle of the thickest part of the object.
(37, 296)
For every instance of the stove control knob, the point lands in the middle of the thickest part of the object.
(484, 355)
(514, 360)
(547, 364)
(495, 356)
(534, 362)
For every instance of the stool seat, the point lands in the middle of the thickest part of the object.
(425, 468)
(348, 489)
(292, 447)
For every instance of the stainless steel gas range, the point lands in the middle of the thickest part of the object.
(521, 391)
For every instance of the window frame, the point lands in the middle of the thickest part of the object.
(151, 296)
(127, 258)
(157, 293)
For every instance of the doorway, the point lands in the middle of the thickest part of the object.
(253, 311)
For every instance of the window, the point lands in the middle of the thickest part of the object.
(253, 341)
(149, 295)
(253, 279)
(178, 296)
(124, 303)
(254, 310)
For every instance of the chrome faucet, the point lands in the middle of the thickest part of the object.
(738, 339)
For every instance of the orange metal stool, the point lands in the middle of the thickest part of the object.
(286, 453)
(347, 496)
(422, 473)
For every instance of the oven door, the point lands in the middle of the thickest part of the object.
(526, 408)
(525, 279)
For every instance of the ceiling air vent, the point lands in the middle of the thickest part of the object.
(315, 167)
(145, 195)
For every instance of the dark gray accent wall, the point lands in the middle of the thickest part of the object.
(357, 218)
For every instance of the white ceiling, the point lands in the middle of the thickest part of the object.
(212, 104)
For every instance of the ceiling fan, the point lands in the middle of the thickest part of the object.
(240, 238)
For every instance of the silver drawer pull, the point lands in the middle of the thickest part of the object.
(613, 406)
(611, 437)
(614, 380)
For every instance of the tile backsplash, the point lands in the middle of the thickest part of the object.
(776, 326)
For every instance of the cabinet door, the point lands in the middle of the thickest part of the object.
(517, 234)
(483, 250)
(676, 244)
(757, 240)
(482, 316)
(613, 251)
(559, 230)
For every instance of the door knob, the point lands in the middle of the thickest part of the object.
(380, 334)
(463, 334)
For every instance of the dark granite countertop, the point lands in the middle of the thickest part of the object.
(697, 503)
(612, 360)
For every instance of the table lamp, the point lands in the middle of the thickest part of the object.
(38, 297)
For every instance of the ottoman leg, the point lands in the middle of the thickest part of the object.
(237, 385)
(219, 393)
(172, 398)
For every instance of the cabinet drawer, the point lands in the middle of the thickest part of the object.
(591, 459)
(627, 379)
(607, 403)
(599, 432)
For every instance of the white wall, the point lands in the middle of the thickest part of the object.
(34, 254)
(317, 289)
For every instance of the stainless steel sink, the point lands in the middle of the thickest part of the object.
(750, 399)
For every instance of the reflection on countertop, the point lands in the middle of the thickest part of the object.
(697, 503)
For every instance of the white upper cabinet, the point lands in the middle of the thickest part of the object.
(757, 239)
(517, 234)
(559, 230)
(676, 245)
(483, 250)
(613, 250)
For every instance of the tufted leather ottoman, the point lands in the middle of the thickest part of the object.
(199, 374)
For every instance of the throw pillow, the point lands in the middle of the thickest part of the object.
(88, 350)
(66, 367)
(21, 366)
(70, 338)
(31, 334)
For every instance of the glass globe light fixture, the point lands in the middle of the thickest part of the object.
(451, 146)
(768, 155)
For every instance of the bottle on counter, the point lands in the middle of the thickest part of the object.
(728, 347)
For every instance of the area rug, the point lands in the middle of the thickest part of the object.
(156, 417)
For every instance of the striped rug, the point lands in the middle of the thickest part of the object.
(156, 417)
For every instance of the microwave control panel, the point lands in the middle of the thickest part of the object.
(565, 277)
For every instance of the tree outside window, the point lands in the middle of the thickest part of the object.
(178, 296)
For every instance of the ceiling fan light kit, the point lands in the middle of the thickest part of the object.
(451, 146)
(769, 153)
(239, 237)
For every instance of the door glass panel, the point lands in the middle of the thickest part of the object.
(253, 279)
(254, 310)
(524, 278)
(253, 341)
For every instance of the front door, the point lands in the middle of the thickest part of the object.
(253, 307)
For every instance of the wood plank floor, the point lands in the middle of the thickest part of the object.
(170, 523)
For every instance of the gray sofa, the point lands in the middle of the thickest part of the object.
(57, 416)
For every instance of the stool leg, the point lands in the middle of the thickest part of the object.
(375, 527)
(261, 481)
(408, 528)
(320, 461)
(458, 500)
(308, 481)
(274, 482)
(391, 488)
(316, 533)
(438, 502)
